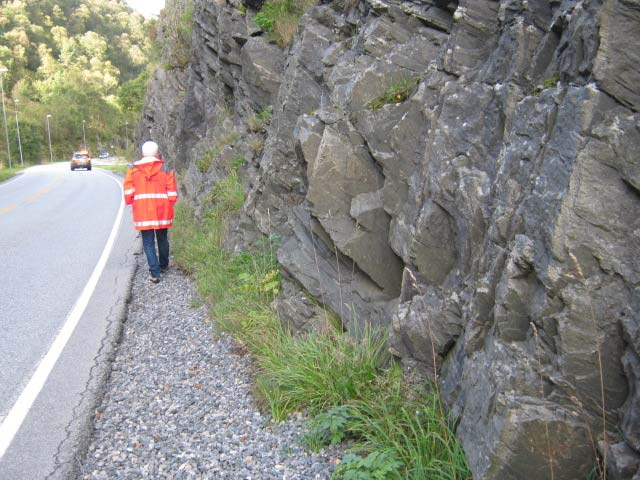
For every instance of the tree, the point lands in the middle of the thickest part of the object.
(131, 95)
(32, 140)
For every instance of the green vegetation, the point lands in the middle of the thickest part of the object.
(256, 145)
(271, 11)
(280, 18)
(204, 162)
(122, 168)
(172, 37)
(551, 81)
(75, 60)
(228, 196)
(229, 138)
(546, 84)
(394, 433)
(375, 466)
(7, 173)
(395, 93)
(349, 384)
(414, 431)
(238, 288)
(319, 371)
(237, 162)
(328, 428)
(131, 94)
(257, 121)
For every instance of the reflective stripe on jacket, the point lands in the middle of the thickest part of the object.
(152, 192)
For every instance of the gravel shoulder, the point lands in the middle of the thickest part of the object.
(178, 403)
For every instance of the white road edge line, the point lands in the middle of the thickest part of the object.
(12, 422)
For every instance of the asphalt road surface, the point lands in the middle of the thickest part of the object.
(67, 249)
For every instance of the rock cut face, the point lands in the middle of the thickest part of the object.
(463, 174)
(345, 195)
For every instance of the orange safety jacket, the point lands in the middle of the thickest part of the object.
(152, 192)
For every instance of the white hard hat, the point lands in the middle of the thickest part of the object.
(149, 149)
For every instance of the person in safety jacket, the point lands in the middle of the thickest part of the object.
(153, 193)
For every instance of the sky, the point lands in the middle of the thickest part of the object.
(148, 8)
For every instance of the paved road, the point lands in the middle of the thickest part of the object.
(66, 260)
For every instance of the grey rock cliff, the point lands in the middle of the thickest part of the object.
(490, 220)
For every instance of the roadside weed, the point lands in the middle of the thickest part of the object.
(328, 428)
(375, 466)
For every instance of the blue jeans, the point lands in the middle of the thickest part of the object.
(161, 260)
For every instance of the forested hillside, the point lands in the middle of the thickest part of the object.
(75, 60)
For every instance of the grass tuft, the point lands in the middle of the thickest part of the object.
(280, 18)
(258, 121)
(228, 194)
(319, 371)
(206, 159)
(413, 431)
(395, 93)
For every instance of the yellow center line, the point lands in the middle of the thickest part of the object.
(7, 210)
(38, 195)
(46, 190)
(35, 197)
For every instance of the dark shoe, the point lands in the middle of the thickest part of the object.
(154, 279)
(164, 270)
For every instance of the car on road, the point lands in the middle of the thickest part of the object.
(80, 160)
(104, 155)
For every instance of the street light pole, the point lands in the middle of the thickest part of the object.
(15, 107)
(4, 114)
(84, 136)
(49, 133)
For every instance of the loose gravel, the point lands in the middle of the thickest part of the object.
(178, 404)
